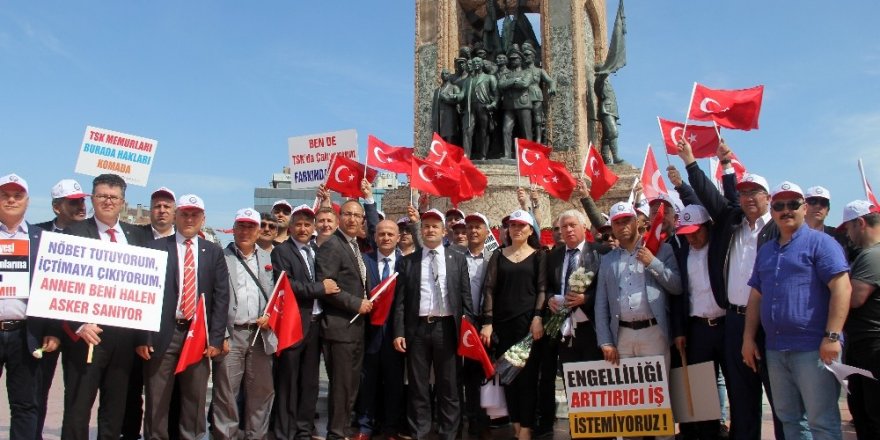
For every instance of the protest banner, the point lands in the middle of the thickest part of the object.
(84, 280)
(108, 151)
(706, 405)
(625, 400)
(310, 155)
(14, 268)
(491, 243)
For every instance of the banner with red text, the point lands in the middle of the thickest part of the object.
(15, 268)
(310, 155)
(629, 399)
(107, 151)
(84, 280)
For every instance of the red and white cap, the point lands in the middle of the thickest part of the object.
(818, 191)
(190, 201)
(691, 218)
(306, 209)
(163, 191)
(477, 217)
(787, 189)
(455, 211)
(621, 210)
(750, 179)
(433, 213)
(456, 223)
(247, 215)
(14, 180)
(642, 207)
(282, 203)
(854, 210)
(68, 189)
(521, 216)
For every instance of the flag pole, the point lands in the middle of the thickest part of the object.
(688, 114)
(664, 142)
(518, 172)
(205, 320)
(373, 298)
(269, 302)
(717, 130)
(864, 180)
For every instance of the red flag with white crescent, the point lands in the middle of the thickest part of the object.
(283, 312)
(344, 176)
(196, 342)
(601, 176)
(469, 346)
(655, 236)
(473, 182)
(703, 138)
(433, 179)
(737, 109)
(382, 296)
(533, 159)
(385, 157)
(445, 156)
(559, 183)
(652, 181)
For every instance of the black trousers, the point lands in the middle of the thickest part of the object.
(471, 380)
(134, 404)
(45, 374)
(864, 400)
(521, 394)
(433, 344)
(108, 372)
(21, 383)
(380, 401)
(343, 361)
(296, 387)
(705, 343)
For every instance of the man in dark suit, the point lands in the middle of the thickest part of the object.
(433, 293)
(339, 259)
(297, 369)
(111, 361)
(195, 267)
(20, 335)
(162, 207)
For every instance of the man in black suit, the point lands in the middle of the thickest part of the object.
(339, 259)
(297, 369)
(433, 293)
(162, 207)
(111, 361)
(195, 267)
(20, 335)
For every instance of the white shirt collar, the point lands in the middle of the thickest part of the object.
(103, 227)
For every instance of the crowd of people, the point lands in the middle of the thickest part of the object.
(749, 278)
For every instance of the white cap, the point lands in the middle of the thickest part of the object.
(818, 191)
(247, 215)
(403, 220)
(455, 211)
(856, 209)
(691, 218)
(787, 189)
(190, 201)
(520, 216)
(476, 216)
(67, 189)
(303, 208)
(433, 213)
(622, 209)
(13, 179)
(755, 179)
(643, 207)
(673, 202)
(282, 202)
(163, 191)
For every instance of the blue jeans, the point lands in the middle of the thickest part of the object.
(802, 386)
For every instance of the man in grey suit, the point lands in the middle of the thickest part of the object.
(433, 294)
(340, 260)
(631, 308)
(242, 361)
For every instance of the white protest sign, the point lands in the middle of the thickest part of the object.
(629, 399)
(706, 405)
(108, 151)
(85, 280)
(491, 243)
(14, 268)
(310, 155)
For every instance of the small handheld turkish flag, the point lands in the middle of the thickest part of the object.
(601, 176)
(737, 109)
(532, 158)
(473, 182)
(445, 156)
(344, 176)
(283, 312)
(469, 346)
(655, 235)
(869, 193)
(703, 139)
(431, 178)
(738, 168)
(385, 157)
(196, 342)
(559, 183)
(652, 181)
(382, 296)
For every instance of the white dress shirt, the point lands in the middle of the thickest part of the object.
(426, 289)
(304, 251)
(181, 256)
(476, 271)
(743, 252)
(247, 293)
(702, 301)
(102, 232)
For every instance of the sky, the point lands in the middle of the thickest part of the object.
(222, 85)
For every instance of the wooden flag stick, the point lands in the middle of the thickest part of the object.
(518, 173)
(688, 114)
(376, 296)
(687, 382)
(90, 353)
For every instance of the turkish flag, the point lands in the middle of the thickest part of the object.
(655, 235)
(652, 181)
(445, 155)
(703, 139)
(738, 168)
(469, 346)
(869, 193)
(382, 296)
(532, 158)
(601, 176)
(473, 182)
(737, 109)
(433, 179)
(385, 157)
(196, 342)
(344, 176)
(559, 183)
(283, 312)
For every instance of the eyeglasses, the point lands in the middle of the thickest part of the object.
(791, 205)
(268, 225)
(104, 198)
(352, 214)
(284, 210)
(813, 201)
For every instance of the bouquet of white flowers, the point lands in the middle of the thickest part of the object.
(578, 282)
(513, 360)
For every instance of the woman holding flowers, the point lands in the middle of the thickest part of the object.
(513, 297)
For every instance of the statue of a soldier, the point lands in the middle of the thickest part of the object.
(608, 118)
(539, 77)
(516, 101)
(484, 102)
(444, 109)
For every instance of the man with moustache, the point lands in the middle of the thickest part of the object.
(432, 296)
(19, 334)
(111, 364)
(281, 210)
(296, 372)
(818, 204)
(162, 207)
(196, 268)
(340, 260)
(268, 228)
(800, 294)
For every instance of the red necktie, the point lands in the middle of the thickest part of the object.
(188, 302)
(112, 234)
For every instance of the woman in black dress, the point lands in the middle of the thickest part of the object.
(513, 297)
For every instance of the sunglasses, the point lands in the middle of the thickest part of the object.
(268, 225)
(791, 205)
(813, 201)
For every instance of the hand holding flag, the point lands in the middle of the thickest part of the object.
(703, 139)
(469, 346)
(283, 313)
(737, 109)
(196, 343)
(345, 175)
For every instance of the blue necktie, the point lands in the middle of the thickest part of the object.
(387, 270)
(572, 265)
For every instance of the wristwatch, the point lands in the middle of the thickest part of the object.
(832, 336)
